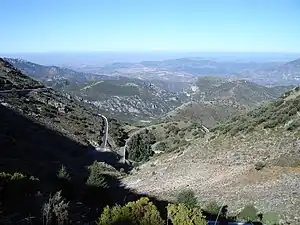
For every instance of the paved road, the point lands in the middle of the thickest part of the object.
(105, 133)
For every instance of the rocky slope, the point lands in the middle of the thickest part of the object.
(131, 98)
(221, 166)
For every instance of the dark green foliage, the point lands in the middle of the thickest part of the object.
(140, 146)
(181, 134)
(259, 165)
(117, 132)
(181, 214)
(161, 146)
(141, 212)
(212, 208)
(249, 213)
(172, 129)
(63, 173)
(188, 198)
(96, 178)
(55, 210)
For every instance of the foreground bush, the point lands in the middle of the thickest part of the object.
(249, 213)
(96, 178)
(181, 214)
(270, 218)
(212, 208)
(56, 209)
(188, 198)
(141, 212)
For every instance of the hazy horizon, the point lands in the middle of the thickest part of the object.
(101, 58)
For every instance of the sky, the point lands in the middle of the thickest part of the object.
(150, 25)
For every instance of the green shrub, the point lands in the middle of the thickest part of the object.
(140, 146)
(161, 146)
(141, 212)
(56, 209)
(259, 165)
(96, 178)
(181, 134)
(212, 208)
(188, 198)
(270, 218)
(249, 213)
(180, 214)
(63, 173)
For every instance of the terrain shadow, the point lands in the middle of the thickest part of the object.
(31, 148)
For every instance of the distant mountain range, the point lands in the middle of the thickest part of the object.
(187, 69)
(121, 94)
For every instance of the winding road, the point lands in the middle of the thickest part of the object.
(105, 134)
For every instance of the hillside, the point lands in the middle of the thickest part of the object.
(46, 159)
(130, 99)
(54, 75)
(253, 158)
(215, 99)
(58, 111)
(126, 98)
(284, 74)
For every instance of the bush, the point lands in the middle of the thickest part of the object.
(140, 146)
(181, 134)
(141, 212)
(259, 165)
(63, 173)
(188, 198)
(96, 178)
(180, 214)
(249, 213)
(270, 218)
(212, 208)
(161, 146)
(56, 209)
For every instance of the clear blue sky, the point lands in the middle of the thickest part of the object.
(146, 25)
